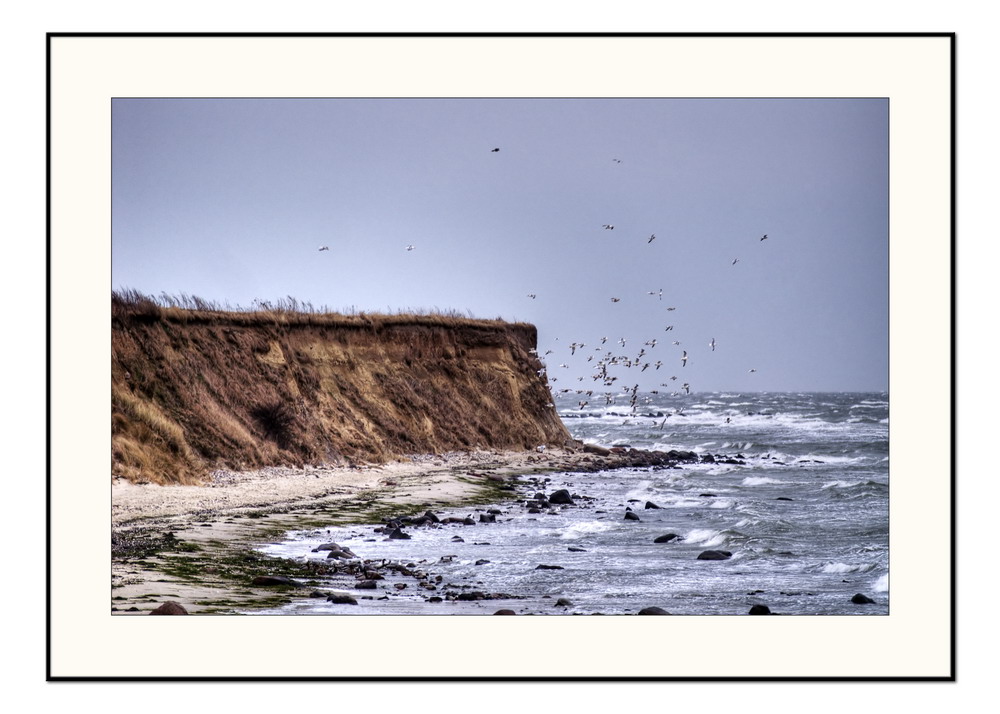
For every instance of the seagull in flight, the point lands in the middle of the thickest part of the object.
(532, 295)
(712, 344)
(410, 247)
(651, 239)
(684, 359)
(669, 309)
(617, 161)
(324, 247)
(751, 371)
(494, 150)
(608, 227)
(668, 328)
(615, 299)
(764, 237)
(735, 261)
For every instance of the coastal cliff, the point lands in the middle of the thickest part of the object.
(194, 390)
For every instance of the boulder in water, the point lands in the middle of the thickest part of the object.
(860, 599)
(561, 497)
(337, 599)
(715, 555)
(666, 538)
(653, 611)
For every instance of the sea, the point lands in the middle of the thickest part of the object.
(797, 495)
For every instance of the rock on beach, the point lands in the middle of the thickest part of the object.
(169, 608)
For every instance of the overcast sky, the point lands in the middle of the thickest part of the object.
(231, 199)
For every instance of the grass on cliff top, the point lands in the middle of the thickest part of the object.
(128, 304)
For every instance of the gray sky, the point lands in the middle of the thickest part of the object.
(230, 200)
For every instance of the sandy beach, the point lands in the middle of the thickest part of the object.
(190, 544)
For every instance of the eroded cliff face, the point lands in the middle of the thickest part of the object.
(194, 390)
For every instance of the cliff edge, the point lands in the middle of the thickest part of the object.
(194, 390)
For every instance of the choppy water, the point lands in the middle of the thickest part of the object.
(825, 456)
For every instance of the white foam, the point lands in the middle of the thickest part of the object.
(882, 584)
(722, 503)
(578, 530)
(639, 490)
(705, 537)
(826, 459)
(840, 568)
(683, 503)
(759, 481)
(842, 484)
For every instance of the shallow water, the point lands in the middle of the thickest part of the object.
(825, 456)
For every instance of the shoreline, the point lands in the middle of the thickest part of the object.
(194, 544)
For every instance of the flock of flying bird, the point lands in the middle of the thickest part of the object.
(609, 359)
(612, 360)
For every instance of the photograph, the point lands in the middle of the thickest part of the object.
(546, 331)
(500, 356)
